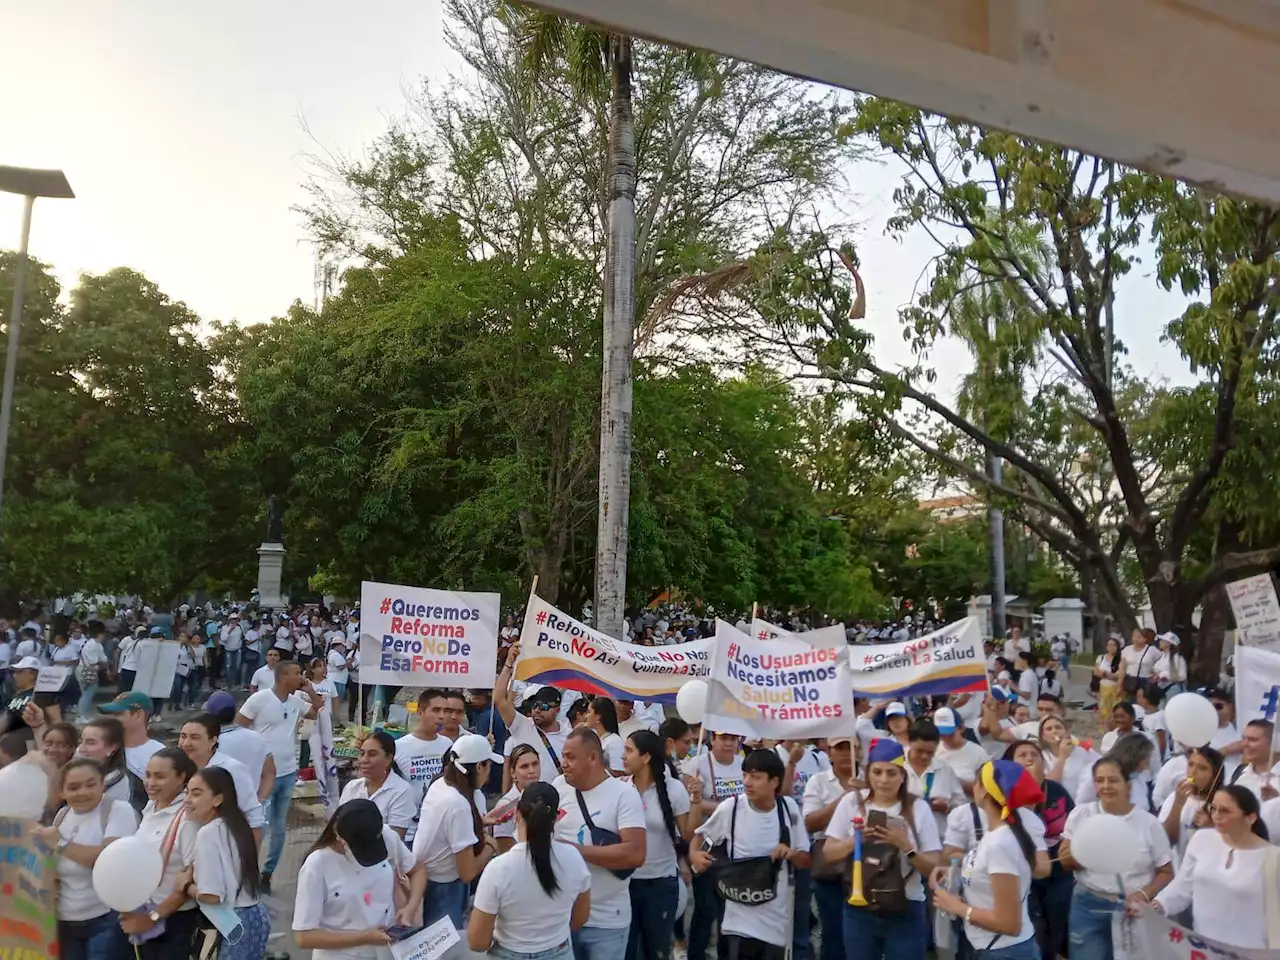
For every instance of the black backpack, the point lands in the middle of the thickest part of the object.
(883, 884)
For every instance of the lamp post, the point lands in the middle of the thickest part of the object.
(29, 184)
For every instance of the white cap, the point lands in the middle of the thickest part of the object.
(472, 748)
(28, 663)
(944, 718)
(895, 709)
(1169, 638)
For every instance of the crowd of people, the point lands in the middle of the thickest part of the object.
(547, 824)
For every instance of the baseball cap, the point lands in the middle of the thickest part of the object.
(473, 748)
(133, 700)
(157, 631)
(359, 824)
(895, 709)
(220, 702)
(28, 663)
(544, 697)
(944, 718)
(836, 741)
(1001, 694)
(1170, 638)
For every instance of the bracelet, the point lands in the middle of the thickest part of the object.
(968, 915)
(912, 853)
(1142, 893)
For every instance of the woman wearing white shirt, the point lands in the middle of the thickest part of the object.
(602, 717)
(198, 739)
(1066, 759)
(1223, 877)
(911, 828)
(165, 825)
(1096, 899)
(534, 896)
(822, 794)
(338, 669)
(1171, 668)
(670, 817)
(87, 928)
(347, 887)
(1185, 811)
(380, 782)
(450, 848)
(226, 861)
(996, 876)
(526, 769)
(63, 654)
(1133, 753)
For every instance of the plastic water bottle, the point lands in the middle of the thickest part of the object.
(944, 934)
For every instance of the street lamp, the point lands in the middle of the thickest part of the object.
(28, 184)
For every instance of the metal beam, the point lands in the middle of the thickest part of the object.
(1187, 88)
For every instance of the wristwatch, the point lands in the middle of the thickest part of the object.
(62, 845)
(153, 916)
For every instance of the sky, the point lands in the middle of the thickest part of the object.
(184, 131)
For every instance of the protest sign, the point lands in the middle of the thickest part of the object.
(51, 679)
(832, 636)
(558, 650)
(779, 688)
(28, 894)
(1257, 685)
(1153, 936)
(1257, 613)
(431, 943)
(949, 660)
(157, 664)
(419, 637)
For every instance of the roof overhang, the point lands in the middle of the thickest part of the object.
(1187, 88)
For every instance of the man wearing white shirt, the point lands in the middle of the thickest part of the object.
(961, 754)
(246, 745)
(134, 709)
(629, 721)
(1258, 767)
(1016, 644)
(232, 640)
(1226, 739)
(928, 776)
(541, 729)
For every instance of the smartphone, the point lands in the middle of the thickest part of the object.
(398, 932)
(877, 818)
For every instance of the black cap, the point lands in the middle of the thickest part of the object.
(359, 824)
(1214, 693)
(547, 696)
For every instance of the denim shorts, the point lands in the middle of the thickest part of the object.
(563, 952)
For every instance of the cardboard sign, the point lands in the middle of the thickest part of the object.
(157, 666)
(52, 679)
(419, 637)
(1257, 613)
(28, 903)
(429, 944)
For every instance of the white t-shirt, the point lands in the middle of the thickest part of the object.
(997, 853)
(529, 921)
(1154, 845)
(217, 866)
(1186, 829)
(1271, 816)
(1222, 737)
(395, 799)
(659, 852)
(246, 787)
(926, 833)
(135, 758)
(154, 828)
(755, 834)
(1079, 764)
(336, 893)
(1167, 779)
(77, 899)
(92, 653)
(277, 721)
(523, 730)
(964, 761)
(128, 653)
(1140, 663)
(1248, 777)
(446, 828)
(247, 746)
(813, 762)
(938, 782)
(613, 746)
(960, 834)
(613, 805)
(264, 678)
(719, 780)
(822, 790)
(506, 827)
(636, 722)
(1087, 791)
(232, 637)
(337, 661)
(419, 762)
(1225, 890)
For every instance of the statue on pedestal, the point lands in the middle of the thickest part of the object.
(275, 520)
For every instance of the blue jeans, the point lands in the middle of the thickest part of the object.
(871, 937)
(803, 916)
(85, 707)
(1090, 925)
(444, 900)
(1050, 905)
(233, 672)
(98, 939)
(830, 897)
(1026, 950)
(562, 952)
(597, 943)
(653, 917)
(277, 814)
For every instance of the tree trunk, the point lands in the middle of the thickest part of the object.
(619, 324)
(1204, 662)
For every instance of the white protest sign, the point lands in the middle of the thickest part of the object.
(51, 679)
(557, 650)
(1257, 685)
(949, 660)
(832, 636)
(1154, 936)
(157, 665)
(780, 688)
(419, 637)
(429, 944)
(1253, 601)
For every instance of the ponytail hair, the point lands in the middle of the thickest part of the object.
(538, 808)
(464, 779)
(653, 747)
(1024, 839)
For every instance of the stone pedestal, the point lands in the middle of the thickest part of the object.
(270, 572)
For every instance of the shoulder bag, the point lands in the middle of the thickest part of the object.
(600, 837)
(752, 881)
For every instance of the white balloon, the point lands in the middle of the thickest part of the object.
(691, 701)
(1191, 719)
(1107, 844)
(127, 873)
(24, 791)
